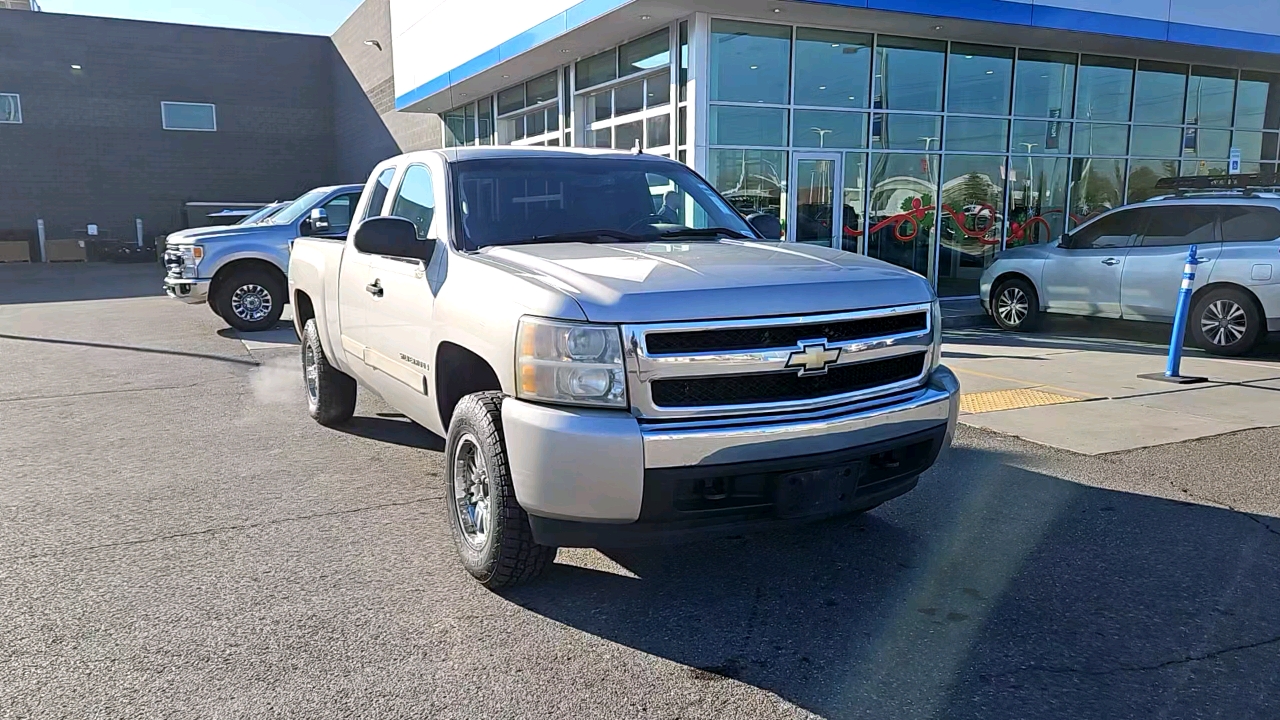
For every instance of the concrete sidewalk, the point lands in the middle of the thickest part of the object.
(1083, 394)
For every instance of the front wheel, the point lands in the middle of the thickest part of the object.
(1014, 305)
(1225, 321)
(331, 393)
(489, 527)
(250, 299)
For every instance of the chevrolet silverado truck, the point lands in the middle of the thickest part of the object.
(614, 355)
(239, 270)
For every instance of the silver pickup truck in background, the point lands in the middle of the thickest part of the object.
(614, 355)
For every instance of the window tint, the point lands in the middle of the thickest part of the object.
(1243, 223)
(379, 198)
(339, 211)
(1179, 226)
(416, 201)
(1113, 231)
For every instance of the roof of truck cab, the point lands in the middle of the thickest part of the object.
(507, 151)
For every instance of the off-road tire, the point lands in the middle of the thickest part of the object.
(1214, 304)
(1022, 317)
(333, 401)
(225, 290)
(509, 556)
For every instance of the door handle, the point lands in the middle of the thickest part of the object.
(1111, 261)
(374, 288)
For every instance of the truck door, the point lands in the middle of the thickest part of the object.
(399, 317)
(353, 280)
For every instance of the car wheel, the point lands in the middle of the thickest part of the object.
(251, 299)
(489, 527)
(1014, 305)
(331, 393)
(1226, 321)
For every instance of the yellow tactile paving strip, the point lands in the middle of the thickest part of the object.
(995, 400)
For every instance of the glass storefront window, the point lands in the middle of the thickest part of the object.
(752, 180)
(1211, 94)
(968, 134)
(1204, 167)
(1037, 196)
(657, 91)
(658, 131)
(628, 98)
(1202, 143)
(1105, 85)
(901, 212)
(600, 105)
(855, 196)
(1041, 137)
(1258, 101)
(1250, 145)
(1154, 140)
(750, 62)
(484, 122)
(683, 79)
(829, 129)
(628, 135)
(908, 74)
(596, 69)
(1046, 83)
(648, 53)
(972, 220)
(737, 125)
(602, 138)
(978, 79)
(1097, 185)
(1143, 175)
(833, 68)
(1159, 92)
(541, 89)
(1095, 139)
(905, 132)
(511, 100)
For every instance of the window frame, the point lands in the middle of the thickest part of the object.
(1148, 212)
(370, 211)
(400, 191)
(164, 120)
(17, 104)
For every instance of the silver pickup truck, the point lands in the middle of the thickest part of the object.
(614, 355)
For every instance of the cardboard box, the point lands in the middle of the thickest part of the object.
(15, 251)
(66, 250)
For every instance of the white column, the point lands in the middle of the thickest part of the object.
(699, 87)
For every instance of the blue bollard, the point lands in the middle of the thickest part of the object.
(1172, 371)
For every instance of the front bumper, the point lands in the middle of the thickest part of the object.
(601, 478)
(188, 290)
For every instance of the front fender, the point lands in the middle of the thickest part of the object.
(219, 255)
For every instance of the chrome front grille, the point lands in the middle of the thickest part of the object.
(770, 365)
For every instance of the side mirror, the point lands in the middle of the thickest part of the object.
(393, 237)
(304, 227)
(319, 220)
(769, 226)
(1063, 241)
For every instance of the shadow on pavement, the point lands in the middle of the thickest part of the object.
(393, 430)
(130, 348)
(68, 282)
(1033, 597)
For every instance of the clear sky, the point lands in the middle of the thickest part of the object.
(315, 17)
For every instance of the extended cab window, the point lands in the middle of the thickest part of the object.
(1249, 223)
(416, 201)
(1179, 225)
(1111, 231)
(378, 198)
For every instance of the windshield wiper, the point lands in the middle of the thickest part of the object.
(711, 232)
(585, 235)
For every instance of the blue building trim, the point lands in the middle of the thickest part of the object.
(1007, 12)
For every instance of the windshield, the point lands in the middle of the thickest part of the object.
(261, 214)
(509, 201)
(297, 208)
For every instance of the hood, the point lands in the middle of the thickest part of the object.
(216, 232)
(673, 282)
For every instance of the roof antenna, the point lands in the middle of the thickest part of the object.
(635, 149)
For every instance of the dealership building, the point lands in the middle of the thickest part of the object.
(928, 133)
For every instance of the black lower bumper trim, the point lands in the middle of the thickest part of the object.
(685, 504)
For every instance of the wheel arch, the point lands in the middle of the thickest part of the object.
(1016, 275)
(227, 269)
(458, 373)
(303, 310)
(1225, 285)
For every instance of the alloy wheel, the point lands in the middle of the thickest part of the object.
(311, 370)
(1012, 306)
(471, 491)
(251, 303)
(1224, 322)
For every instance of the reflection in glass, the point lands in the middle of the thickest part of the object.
(657, 91)
(1096, 186)
(628, 98)
(833, 68)
(829, 129)
(901, 211)
(736, 125)
(658, 131)
(1204, 167)
(648, 53)
(1202, 143)
(1143, 175)
(1250, 145)
(511, 99)
(978, 79)
(627, 135)
(969, 134)
(814, 186)
(1258, 101)
(908, 74)
(1210, 94)
(1041, 137)
(600, 105)
(855, 177)
(602, 138)
(972, 220)
(596, 69)
(905, 132)
(1095, 139)
(1159, 92)
(1104, 88)
(1037, 199)
(750, 62)
(1158, 141)
(1045, 83)
(752, 180)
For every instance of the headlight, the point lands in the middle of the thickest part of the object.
(935, 352)
(571, 363)
(191, 255)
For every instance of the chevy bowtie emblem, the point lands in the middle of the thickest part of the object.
(813, 357)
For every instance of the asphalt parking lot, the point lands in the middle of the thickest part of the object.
(178, 539)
